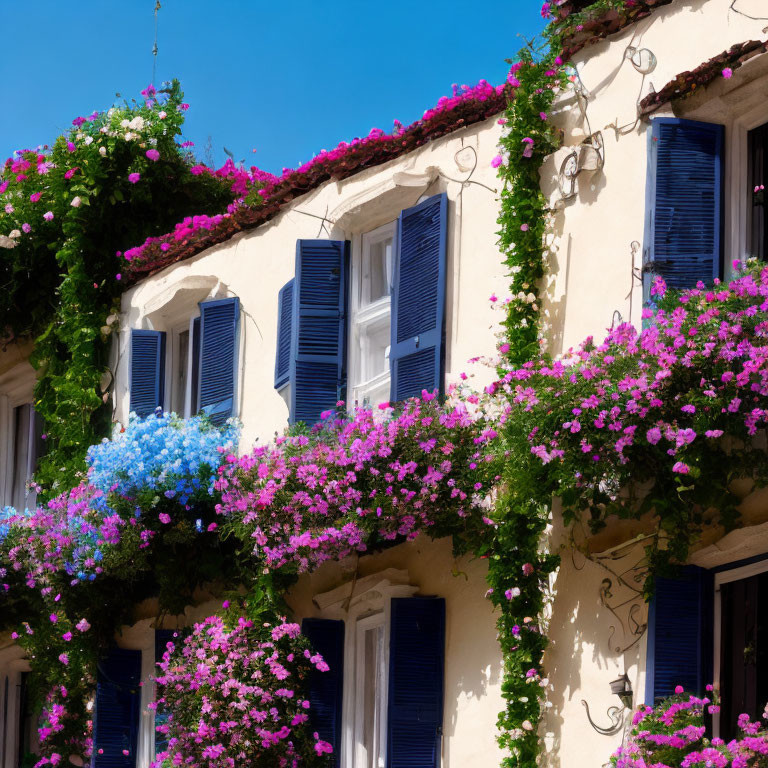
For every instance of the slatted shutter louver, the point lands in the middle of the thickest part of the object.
(683, 239)
(416, 669)
(318, 346)
(418, 300)
(219, 321)
(325, 688)
(680, 634)
(284, 333)
(116, 719)
(147, 371)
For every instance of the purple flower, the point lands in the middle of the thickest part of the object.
(134, 177)
(48, 215)
(653, 435)
(153, 155)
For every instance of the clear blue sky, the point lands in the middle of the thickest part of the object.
(284, 77)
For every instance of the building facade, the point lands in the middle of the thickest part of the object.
(374, 287)
(676, 104)
(371, 288)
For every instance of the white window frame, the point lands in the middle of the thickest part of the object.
(738, 198)
(16, 389)
(363, 625)
(365, 314)
(725, 577)
(355, 603)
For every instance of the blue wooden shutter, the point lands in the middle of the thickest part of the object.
(325, 688)
(284, 318)
(416, 661)
(219, 322)
(418, 300)
(319, 328)
(147, 371)
(195, 384)
(116, 724)
(684, 202)
(680, 634)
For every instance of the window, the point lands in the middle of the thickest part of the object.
(184, 364)
(24, 446)
(370, 693)
(381, 702)
(743, 657)
(191, 368)
(712, 626)
(370, 320)
(757, 141)
(367, 331)
(684, 217)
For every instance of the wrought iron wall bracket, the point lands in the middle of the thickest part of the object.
(615, 715)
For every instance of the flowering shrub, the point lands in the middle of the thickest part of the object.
(656, 410)
(160, 465)
(147, 523)
(237, 696)
(65, 211)
(672, 735)
(160, 454)
(142, 526)
(358, 482)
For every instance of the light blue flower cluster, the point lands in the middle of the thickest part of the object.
(163, 453)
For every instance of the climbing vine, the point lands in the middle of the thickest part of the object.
(66, 210)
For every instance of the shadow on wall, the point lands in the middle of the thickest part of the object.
(586, 652)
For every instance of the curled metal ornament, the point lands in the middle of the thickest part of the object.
(615, 715)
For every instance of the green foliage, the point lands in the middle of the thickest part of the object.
(521, 511)
(528, 137)
(67, 211)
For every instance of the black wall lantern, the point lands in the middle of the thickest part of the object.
(622, 688)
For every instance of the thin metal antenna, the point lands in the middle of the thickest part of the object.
(154, 47)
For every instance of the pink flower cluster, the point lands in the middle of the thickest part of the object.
(66, 537)
(673, 735)
(697, 372)
(307, 499)
(234, 697)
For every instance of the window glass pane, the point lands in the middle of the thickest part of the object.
(374, 343)
(180, 378)
(376, 270)
(21, 455)
(370, 705)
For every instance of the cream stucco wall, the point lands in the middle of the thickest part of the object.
(593, 233)
(256, 264)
